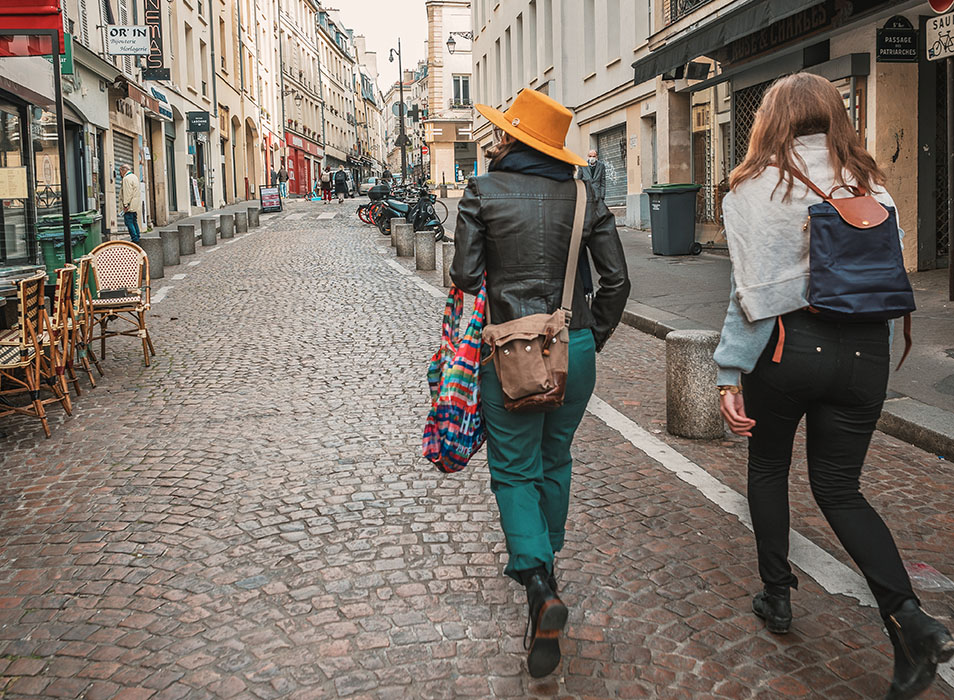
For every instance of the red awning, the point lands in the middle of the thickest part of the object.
(28, 17)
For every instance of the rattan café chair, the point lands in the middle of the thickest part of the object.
(83, 318)
(121, 280)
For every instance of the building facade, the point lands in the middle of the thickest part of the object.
(337, 73)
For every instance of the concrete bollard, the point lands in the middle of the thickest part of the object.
(403, 239)
(153, 247)
(447, 257)
(396, 220)
(226, 225)
(241, 222)
(692, 401)
(425, 250)
(186, 239)
(208, 232)
(170, 247)
(254, 217)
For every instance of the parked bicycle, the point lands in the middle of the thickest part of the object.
(415, 204)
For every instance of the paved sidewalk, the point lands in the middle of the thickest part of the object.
(250, 517)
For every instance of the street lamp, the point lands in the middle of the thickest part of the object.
(402, 139)
(451, 44)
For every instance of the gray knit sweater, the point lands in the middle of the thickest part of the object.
(768, 245)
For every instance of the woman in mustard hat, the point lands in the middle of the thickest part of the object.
(514, 225)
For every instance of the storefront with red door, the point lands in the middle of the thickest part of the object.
(301, 161)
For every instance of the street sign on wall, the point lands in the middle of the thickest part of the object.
(124, 40)
(898, 41)
(197, 121)
(938, 38)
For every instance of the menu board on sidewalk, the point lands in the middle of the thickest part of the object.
(270, 198)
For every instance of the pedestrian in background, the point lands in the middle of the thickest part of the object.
(831, 372)
(341, 184)
(283, 181)
(131, 200)
(273, 179)
(326, 185)
(514, 224)
(594, 172)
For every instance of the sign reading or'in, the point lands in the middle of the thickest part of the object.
(155, 59)
(938, 39)
(124, 40)
(898, 41)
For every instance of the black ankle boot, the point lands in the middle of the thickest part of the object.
(551, 580)
(774, 605)
(547, 617)
(920, 644)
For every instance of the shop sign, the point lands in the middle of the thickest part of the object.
(798, 26)
(127, 40)
(198, 121)
(270, 198)
(13, 183)
(937, 37)
(163, 102)
(155, 60)
(898, 41)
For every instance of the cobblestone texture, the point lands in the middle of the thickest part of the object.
(250, 517)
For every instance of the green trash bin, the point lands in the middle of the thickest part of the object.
(672, 215)
(92, 222)
(54, 252)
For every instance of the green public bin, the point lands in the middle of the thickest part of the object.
(672, 215)
(92, 222)
(54, 252)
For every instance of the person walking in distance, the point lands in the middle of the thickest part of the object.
(595, 173)
(283, 181)
(341, 184)
(514, 225)
(326, 185)
(130, 200)
(789, 363)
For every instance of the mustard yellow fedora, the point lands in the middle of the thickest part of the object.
(538, 121)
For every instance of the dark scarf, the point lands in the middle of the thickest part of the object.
(529, 161)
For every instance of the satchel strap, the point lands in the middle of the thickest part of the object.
(569, 281)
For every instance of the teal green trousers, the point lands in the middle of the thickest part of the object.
(530, 463)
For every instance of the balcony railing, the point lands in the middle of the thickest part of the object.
(454, 103)
(681, 8)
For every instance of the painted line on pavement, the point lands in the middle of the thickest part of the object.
(416, 281)
(180, 276)
(326, 215)
(194, 263)
(161, 294)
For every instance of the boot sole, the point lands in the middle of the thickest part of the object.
(942, 652)
(544, 655)
(773, 626)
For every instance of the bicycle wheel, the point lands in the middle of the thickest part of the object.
(362, 213)
(439, 233)
(440, 210)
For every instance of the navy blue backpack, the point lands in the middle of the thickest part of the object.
(856, 269)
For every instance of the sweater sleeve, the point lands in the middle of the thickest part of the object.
(741, 342)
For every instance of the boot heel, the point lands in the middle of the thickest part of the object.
(553, 616)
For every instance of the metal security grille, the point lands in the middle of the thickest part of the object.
(122, 153)
(942, 216)
(746, 103)
(611, 146)
(706, 206)
(681, 8)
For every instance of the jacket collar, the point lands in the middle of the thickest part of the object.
(529, 161)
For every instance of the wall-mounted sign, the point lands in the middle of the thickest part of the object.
(155, 60)
(127, 40)
(198, 121)
(938, 40)
(898, 41)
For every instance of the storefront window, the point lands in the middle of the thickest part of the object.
(14, 190)
(46, 157)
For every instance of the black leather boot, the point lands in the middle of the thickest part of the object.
(920, 644)
(774, 605)
(547, 617)
(551, 580)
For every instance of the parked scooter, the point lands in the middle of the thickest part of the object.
(420, 213)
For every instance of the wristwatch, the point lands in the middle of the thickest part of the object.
(729, 389)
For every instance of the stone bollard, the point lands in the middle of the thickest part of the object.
(153, 247)
(186, 239)
(170, 247)
(447, 257)
(692, 401)
(396, 220)
(254, 217)
(241, 222)
(425, 250)
(403, 239)
(208, 232)
(227, 225)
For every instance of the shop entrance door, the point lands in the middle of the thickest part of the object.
(611, 146)
(122, 155)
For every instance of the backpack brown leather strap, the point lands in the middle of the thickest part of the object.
(569, 280)
(856, 190)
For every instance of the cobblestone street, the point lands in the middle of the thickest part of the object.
(250, 517)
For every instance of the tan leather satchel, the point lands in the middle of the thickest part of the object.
(531, 354)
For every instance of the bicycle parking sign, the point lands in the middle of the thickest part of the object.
(939, 37)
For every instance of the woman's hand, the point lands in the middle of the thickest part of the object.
(732, 408)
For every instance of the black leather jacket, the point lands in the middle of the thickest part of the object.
(516, 228)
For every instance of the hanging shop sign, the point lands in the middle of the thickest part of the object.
(270, 198)
(155, 60)
(198, 121)
(938, 38)
(898, 41)
(124, 40)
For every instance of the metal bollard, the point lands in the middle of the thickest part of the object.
(447, 257)
(227, 225)
(425, 250)
(241, 222)
(170, 247)
(396, 220)
(692, 402)
(153, 247)
(254, 218)
(404, 239)
(208, 232)
(186, 239)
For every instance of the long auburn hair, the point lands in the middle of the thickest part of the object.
(800, 105)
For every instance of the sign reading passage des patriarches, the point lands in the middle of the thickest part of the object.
(127, 40)
(898, 41)
(270, 198)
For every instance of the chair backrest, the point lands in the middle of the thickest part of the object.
(30, 292)
(81, 281)
(119, 265)
(63, 295)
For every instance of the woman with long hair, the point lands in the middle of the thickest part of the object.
(779, 362)
(514, 225)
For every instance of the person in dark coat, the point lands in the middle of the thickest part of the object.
(341, 184)
(595, 173)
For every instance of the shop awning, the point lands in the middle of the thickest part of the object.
(717, 32)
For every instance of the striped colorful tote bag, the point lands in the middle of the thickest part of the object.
(454, 430)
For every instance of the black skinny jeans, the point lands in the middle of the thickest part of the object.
(834, 374)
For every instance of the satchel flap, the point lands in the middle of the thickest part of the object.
(525, 328)
(510, 337)
(860, 212)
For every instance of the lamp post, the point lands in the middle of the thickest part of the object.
(402, 139)
(451, 44)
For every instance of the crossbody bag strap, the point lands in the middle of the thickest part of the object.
(569, 281)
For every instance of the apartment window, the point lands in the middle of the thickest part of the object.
(589, 37)
(508, 73)
(521, 77)
(532, 36)
(222, 45)
(548, 33)
(612, 29)
(498, 85)
(190, 57)
(204, 58)
(461, 90)
(643, 14)
(478, 76)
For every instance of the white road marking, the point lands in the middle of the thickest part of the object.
(194, 263)
(180, 276)
(417, 281)
(327, 215)
(209, 248)
(160, 294)
(296, 217)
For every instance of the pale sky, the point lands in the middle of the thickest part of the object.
(382, 22)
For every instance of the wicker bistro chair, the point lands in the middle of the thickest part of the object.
(63, 328)
(121, 280)
(24, 365)
(82, 319)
